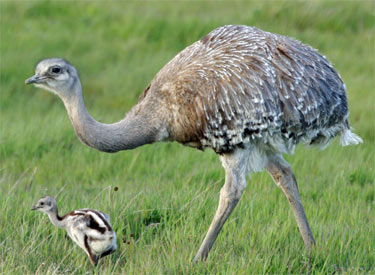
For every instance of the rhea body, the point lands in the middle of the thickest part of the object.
(89, 229)
(248, 94)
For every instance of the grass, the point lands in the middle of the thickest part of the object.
(167, 194)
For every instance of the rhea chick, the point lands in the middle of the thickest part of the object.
(88, 228)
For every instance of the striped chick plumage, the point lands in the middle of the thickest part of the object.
(89, 229)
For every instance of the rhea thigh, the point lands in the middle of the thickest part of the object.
(99, 245)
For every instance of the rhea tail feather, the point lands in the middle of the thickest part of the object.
(349, 138)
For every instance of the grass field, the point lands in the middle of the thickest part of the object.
(167, 194)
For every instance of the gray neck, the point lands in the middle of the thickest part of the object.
(131, 132)
(55, 218)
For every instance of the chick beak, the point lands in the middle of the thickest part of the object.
(34, 79)
(34, 208)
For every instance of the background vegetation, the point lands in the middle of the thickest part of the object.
(167, 194)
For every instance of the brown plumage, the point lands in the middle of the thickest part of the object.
(238, 84)
(248, 94)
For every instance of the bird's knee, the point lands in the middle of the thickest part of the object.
(282, 174)
(233, 193)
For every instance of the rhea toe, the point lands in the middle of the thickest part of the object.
(89, 229)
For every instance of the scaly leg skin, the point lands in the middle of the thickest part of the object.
(283, 176)
(235, 169)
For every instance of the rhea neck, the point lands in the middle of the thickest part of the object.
(131, 132)
(54, 217)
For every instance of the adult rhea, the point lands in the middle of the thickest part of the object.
(248, 94)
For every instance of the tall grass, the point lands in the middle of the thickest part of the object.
(167, 194)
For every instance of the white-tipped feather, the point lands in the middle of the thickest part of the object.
(349, 138)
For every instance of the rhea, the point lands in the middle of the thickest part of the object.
(249, 95)
(89, 229)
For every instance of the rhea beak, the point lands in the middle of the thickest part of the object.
(34, 79)
(34, 208)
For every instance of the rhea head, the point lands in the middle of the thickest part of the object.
(46, 204)
(56, 75)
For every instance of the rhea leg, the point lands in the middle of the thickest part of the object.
(283, 176)
(93, 258)
(235, 182)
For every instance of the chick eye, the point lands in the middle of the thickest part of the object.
(42, 203)
(55, 70)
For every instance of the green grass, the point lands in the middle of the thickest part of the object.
(118, 47)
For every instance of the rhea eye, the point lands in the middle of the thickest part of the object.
(56, 70)
(42, 203)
